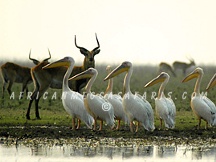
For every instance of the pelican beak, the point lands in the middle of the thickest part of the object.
(118, 70)
(212, 83)
(156, 80)
(82, 75)
(190, 76)
(58, 63)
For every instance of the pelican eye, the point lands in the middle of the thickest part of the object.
(163, 75)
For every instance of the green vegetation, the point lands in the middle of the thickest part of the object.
(13, 110)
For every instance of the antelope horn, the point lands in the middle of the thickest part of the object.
(81, 48)
(97, 43)
(189, 58)
(34, 60)
(30, 55)
(49, 56)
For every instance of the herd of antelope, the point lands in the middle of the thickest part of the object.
(176, 66)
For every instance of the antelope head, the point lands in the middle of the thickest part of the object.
(89, 55)
(36, 62)
(192, 62)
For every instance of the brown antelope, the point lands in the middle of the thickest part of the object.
(164, 67)
(183, 66)
(14, 73)
(45, 78)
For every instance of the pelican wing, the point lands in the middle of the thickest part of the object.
(204, 108)
(150, 111)
(71, 101)
(73, 104)
(101, 108)
(212, 108)
(172, 108)
(116, 102)
(210, 104)
(166, 110)
(135, 109)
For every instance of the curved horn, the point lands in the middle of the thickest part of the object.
(49, 56)
(76, 43)
(97, 43)
(30, 55)
(81, 48)
(34, 60)
(189, 58)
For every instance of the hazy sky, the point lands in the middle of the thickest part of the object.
(140, 31)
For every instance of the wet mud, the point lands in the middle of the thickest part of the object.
(170, 137)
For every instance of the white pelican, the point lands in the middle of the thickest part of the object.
(116, 101)
(72, 101)
(96, 105)
(202, 107)
(211, 83)
(135, 107)
(165, 107)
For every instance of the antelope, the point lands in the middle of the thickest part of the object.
(14, 73)
(45, 78)
(164, 67)
(183, 66)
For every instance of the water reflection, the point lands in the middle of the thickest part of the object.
(96, 152)
(165, 151)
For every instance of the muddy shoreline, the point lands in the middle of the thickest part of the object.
(176, 137)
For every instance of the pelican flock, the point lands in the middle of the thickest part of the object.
(127, 107)
(165, 107)
(135, 107)
(96, 105)
(202, 106)
(72, 101)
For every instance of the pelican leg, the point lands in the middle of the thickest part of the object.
(199, 123)
(137, 127)
(113, 127)
(118, 125)
(95, 124)
(131, 126)
(73, 123)
(206, 127)
(101, 125)
(78, 123)
(161, 123)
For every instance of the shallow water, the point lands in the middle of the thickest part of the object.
(79, 150)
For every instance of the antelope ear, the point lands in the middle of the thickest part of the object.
(84, 51)
(36, 62)
(47, 58)
(96, 52)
